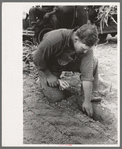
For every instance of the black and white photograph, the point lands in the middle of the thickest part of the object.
(69, 65)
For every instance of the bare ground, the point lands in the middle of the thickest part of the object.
(63, 122)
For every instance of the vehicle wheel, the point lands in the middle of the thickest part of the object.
(41, 33)
(102, 38)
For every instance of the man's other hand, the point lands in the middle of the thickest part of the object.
(46, 16)
(52, 81)
(87, 108)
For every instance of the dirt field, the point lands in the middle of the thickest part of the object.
(63, 123)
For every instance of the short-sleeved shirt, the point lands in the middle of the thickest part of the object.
(55, 50)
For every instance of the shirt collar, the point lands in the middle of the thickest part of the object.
(70, 33)
(69, 37)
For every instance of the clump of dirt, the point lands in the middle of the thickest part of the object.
(63, 122)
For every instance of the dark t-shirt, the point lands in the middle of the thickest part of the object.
(55, 49)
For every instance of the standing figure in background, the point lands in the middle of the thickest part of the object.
(42, 14)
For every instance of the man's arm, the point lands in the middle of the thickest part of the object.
(40, 58)
(87, 79)
(87, 105)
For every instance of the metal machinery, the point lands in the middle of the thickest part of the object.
(69, 17)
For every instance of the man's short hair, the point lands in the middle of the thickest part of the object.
(88, 34)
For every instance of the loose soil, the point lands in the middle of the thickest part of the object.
(63, 122)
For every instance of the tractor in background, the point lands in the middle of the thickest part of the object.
(72, 16)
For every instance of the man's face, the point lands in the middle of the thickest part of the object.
(80, 47)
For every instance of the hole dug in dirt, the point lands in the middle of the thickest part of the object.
(103, 115)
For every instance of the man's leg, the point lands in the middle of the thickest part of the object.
(56, 95)
(52, 93)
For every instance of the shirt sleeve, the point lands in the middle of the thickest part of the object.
(86, 67)
(42, 54)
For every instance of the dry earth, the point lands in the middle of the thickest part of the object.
(63, 123)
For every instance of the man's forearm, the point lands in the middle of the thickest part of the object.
(87, 87)
(52, 12)
(87, 105)
(48, 14)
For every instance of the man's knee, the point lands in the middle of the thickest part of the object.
(31, 10)
(53, 94)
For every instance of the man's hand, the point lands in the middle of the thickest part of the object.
(87, 108)
(52, 81)
(87, 105)
(46, 16)
(63, 84)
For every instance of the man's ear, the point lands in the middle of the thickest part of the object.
(76, 38)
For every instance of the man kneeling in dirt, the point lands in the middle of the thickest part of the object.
(68, 50)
